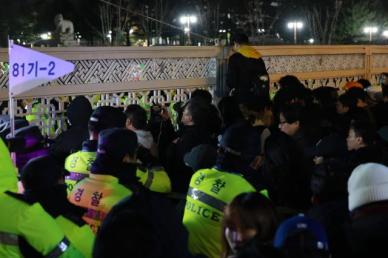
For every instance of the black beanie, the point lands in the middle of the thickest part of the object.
(42, 173)
(116, 143)
(105, 117)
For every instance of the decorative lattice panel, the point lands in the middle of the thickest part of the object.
(142, 69)
(313, 63)
(49, 112)
(380, 61)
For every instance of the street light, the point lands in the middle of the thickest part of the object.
(109, 36)
(45, 36)
(385, 33)
(295, 25)
(370, 30)
(187, 20)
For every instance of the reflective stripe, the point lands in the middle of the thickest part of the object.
(75, 176)
(150, 178)
(206, 198)
(8, 239)
(59, 249)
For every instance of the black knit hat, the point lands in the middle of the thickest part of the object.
(79, 111)
(42, 173)
(201, 156)
(241, 140)
(116, 143)
(105, 117)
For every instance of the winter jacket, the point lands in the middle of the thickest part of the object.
(78, 114)
(245, 68)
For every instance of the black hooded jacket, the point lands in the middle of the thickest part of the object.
(78, 113)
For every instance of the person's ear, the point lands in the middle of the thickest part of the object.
(359, 140)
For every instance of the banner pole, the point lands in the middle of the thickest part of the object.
(11, 103)
(11, 108)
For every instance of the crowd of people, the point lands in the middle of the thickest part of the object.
(303, 174)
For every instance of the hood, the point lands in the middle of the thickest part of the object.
(248, 52)
(79, 111)
(144, 138)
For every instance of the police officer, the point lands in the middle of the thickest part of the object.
(112, 176)
(8, 172)
(43, 182)
(211, 189)
(27, 230)
(27, 144)
(151, 175)
(26, 225)
(78, 163)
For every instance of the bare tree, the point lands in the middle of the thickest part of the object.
(114, 20)
(255, 16)
(106, 18)
(162, 8)
(259, 18)
(154, 16)
(322, 19)
(209, 16)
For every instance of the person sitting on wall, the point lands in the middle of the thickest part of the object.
(246, 69)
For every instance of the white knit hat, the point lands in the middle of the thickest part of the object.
(368, 183)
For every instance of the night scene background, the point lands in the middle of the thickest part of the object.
(157, 22)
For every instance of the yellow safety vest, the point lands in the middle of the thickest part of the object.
(209, 192)
(78, 164)
(98, 194)
(81, 237)
(38, 228)
(155, 179)
(45, 117)
(8, 172)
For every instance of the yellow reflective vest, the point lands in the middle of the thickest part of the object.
(38, 228)
(81, 237)
(78, 164)
(155, 179)
(8, 172)
(209, 192)
(45, 118)
(98, 194)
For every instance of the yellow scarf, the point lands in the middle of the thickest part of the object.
(248, 52)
